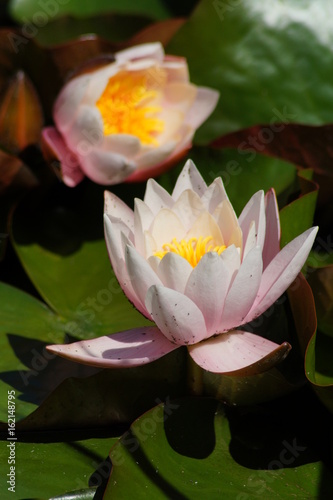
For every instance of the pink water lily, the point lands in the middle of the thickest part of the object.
(129, 120)
(189, 264)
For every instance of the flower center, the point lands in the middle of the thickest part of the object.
(126, 108)
(192, 250)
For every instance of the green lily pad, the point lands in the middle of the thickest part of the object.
(61, 245)
(268, 60)
(45, 470)
(190, 448)
(241, 177)
(318, 367)
(298, 215)
(34, 11)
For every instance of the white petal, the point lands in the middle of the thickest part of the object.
(116, 208)
(207, 287)
(282, 271)
(188, 208)
(165, 227)
(155, 155)
(237, 350)
(180, 95)
(106, 168)
(251, 240)
(176, 68)
(203, 106)
(122, 144)
(243, 291)
(178, 318)
(228, 223)
(156, 197)
(114, 242)
(231, 258)
(86, 132)
(189, 178)
(174, 271)
(143, 218)
(214, 195)
(140, 272)
(129, 348)
(68, 101)
(205, 226)
(273, 232)
(149, 50)
(254, 211)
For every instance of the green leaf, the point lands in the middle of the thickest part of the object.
(113, 27)
(298, 215)
(188, 449)
(242, 175)
(34, 11)
(109, 397)
(25, 325)
(61, 245)
(268, 60)
(318, 367)
(45, 470)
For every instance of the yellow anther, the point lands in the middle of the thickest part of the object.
(192, 250)
(127, 107)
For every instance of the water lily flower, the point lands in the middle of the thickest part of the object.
(129, 120)
(189, 264)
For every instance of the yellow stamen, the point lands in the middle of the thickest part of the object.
(192, 250)
(126, 108)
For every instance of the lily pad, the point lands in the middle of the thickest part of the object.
(48, 470)
(190, 448)
(61, 245)
(35, 10)
(267, 59)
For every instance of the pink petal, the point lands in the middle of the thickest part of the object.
(105, 167)
(203, 106)
(114, 243)
(272, 238)
(86, 132)
(156, 197)
(254, 211)
(155, 156)
(178, 318)
(177, 69)
(68, 101)
(117, 209)
(174, 271)
(155, 170)
(129, 348)
(70, 170)
(228, 222)
(282, 271)
(207, 287)
(143, 218)
(146, 50)
(140, 272)
(243, 291)
(238, 350)
(188, 208)
(214, 195)
(122, 144)
(165, 227)
(189, 178)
